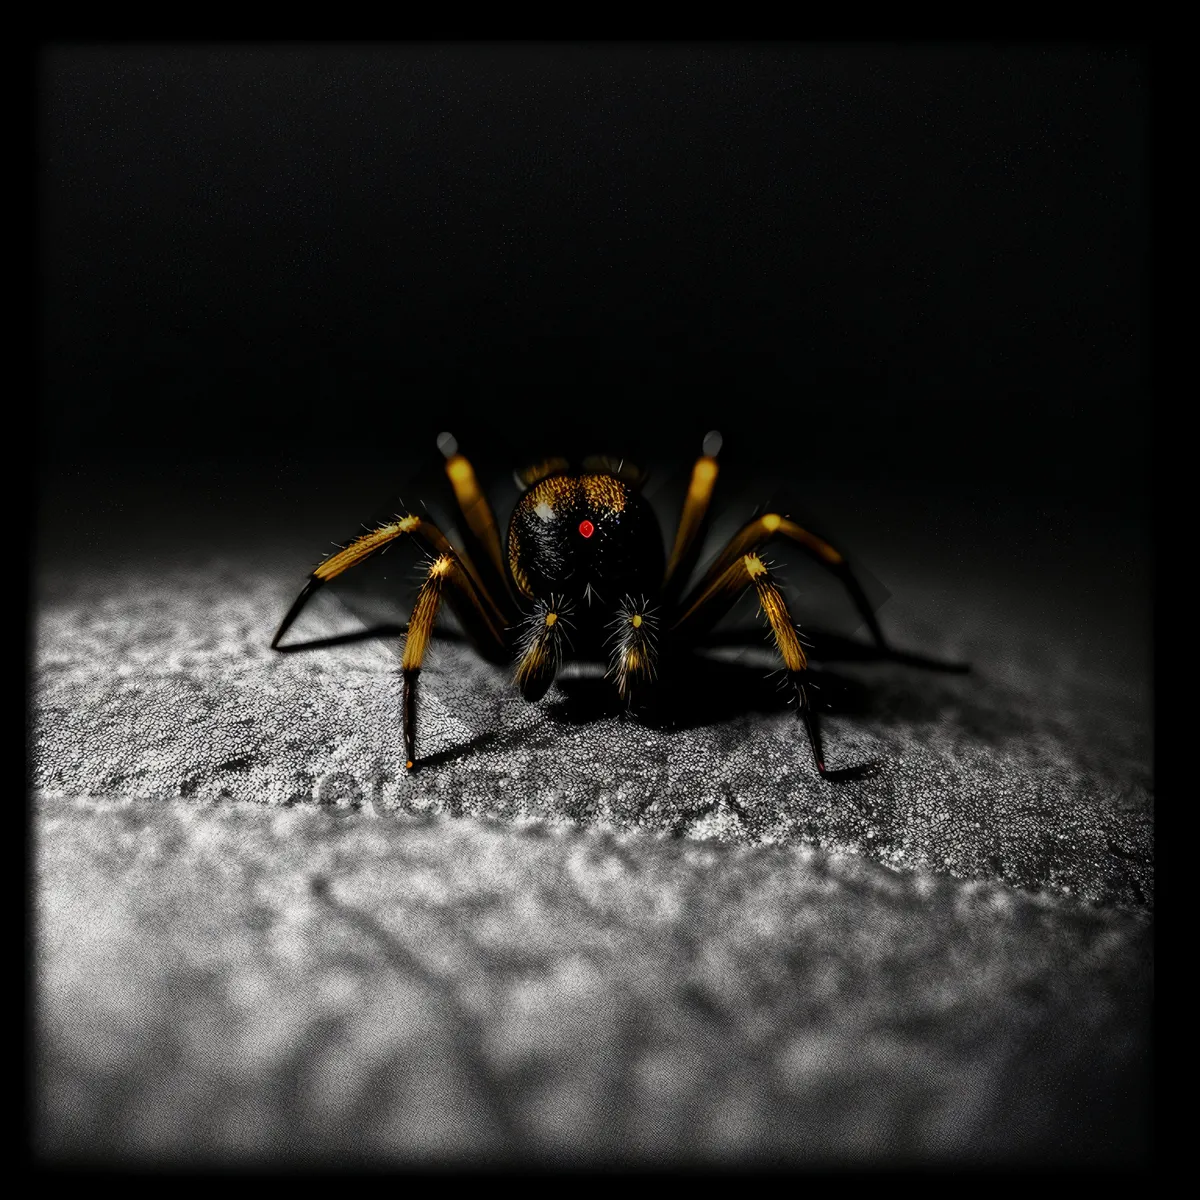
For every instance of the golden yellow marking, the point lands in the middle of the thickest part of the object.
(799, 534)
(459, 470)
(603, 492)
(408, 766)
(636, 622)
(551, 618)
(446, 565)
(520, 578)
(754, 566)
(749, 568)
(420, 623)
(695, 505)
(362, 546)
(774, 607)
(531, 664)
(514, 564)
(635, 665)
(751, 536)
(429, 599)
(558, 490)
(475, 507)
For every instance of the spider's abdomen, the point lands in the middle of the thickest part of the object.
(591, 538)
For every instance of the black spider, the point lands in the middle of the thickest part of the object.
(585, 572)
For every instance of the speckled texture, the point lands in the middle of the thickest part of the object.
(164, 687)
(570, 937)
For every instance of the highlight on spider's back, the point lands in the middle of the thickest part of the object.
(583, 571)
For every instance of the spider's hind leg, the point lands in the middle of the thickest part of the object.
(486, 560)
(770, 527)
(693, 520)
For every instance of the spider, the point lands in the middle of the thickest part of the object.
(584, 571)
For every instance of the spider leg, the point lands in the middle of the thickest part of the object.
(693, 520)
(540, 642)
(481, 531)
(749, 570)
(448, 580)
(633, 655)
(425, 533)
(753, 537)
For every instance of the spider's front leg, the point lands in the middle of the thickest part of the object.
(541, 638)
(747, 571)
(449, 576)
(446, 579)
(633, 647)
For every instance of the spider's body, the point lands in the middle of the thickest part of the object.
(587, 538)
(583, 573)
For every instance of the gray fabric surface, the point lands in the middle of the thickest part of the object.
(226, 982)
(572, 937)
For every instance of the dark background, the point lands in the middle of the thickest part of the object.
(922, 266)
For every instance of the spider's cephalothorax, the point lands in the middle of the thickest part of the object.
(584, 573)
(590, 537)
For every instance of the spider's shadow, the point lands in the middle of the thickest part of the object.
(699, 689)
(695, 689)
(374, 633)
(692, 691)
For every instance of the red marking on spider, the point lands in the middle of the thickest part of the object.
(586, 528)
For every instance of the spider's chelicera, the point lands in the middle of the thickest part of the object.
(584, 574)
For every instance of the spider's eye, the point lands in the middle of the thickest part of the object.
(586, 528)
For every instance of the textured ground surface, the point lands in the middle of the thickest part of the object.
(570, 936)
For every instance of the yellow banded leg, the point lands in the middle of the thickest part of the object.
(751, 571)
(693, 518)
(774, 607)
(425, 532)
(477, 512)
(540, 646)
(752, 538)
(446, 580)
(787, 642)
(633, 657)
